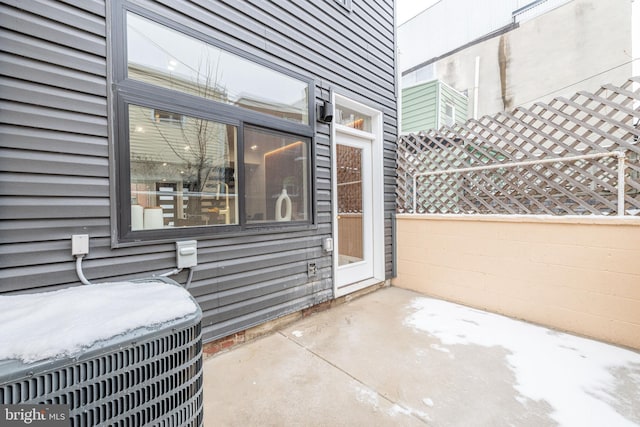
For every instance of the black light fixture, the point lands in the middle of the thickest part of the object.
(325, 112)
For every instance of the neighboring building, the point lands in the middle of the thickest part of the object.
(144, 123)
(509, 53)
(431, 105)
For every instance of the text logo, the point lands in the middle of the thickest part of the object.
(34, 415)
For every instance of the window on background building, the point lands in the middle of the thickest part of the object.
(449, 117)
(194, 112)
(347, 4)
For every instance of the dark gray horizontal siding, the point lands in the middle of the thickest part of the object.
(95, 7)
(42, 140)
(247, 304)
(53, 207)
(36, 162)
(40, 276)
(255, 318)
(247, 281)
(52, 75)
(51, 53)
(253, 38)
(52, 119)
(68, 17)
(20, 184)
(47, 96)
(54, 148)
(20, 231)
(85, 39)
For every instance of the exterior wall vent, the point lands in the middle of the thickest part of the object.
(141, 378)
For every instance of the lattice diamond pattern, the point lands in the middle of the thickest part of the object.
(605, 121)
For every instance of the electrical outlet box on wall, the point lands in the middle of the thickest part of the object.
(187, 254)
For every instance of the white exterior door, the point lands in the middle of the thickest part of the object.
(358, 196)
(355, 209)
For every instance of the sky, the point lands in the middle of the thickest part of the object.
(407, 9)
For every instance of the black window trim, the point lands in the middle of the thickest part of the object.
(133, 92)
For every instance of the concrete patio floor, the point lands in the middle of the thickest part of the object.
(397, 358)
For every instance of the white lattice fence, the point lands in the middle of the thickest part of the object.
(561, 158)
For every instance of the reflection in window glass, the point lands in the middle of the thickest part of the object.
(168, 58)
(276, 172)
(353, 119)
(182, 171)
(350, 206)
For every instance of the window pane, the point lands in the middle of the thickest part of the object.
(353, 119)
(350, 204)
(276, 173)
(168, 58)
(182, 170)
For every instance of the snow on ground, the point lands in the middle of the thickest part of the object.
(573, 374)
(372, 398)
(61, 323)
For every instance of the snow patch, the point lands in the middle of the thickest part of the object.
(440, 348)
(397, 409)
(372, 398)
(428, 402)
(61, 323)
(572, 374)
(367, 396)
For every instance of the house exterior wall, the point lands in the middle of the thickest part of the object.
(420, 107)
(576, 274)
(55, 139)
(450, 96)
(473, 19)
(424, 106)
(555, 48)
(582, 44)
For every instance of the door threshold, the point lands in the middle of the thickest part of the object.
(353, 287)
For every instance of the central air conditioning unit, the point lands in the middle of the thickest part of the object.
(144, 377)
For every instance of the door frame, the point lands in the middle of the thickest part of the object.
(377, 190)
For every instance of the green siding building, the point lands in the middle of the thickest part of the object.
(431, 105)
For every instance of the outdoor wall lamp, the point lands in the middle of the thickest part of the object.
(325, 112)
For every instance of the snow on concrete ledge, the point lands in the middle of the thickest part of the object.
(61, 323)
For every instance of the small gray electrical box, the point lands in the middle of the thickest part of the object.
(327, 244)
(79, 244)
(187, 254)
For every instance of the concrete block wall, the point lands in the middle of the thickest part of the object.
(578, 274)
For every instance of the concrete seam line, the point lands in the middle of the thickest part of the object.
(411, 412)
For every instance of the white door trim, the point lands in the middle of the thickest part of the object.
(377, 156)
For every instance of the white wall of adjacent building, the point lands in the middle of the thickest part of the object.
(564, 47)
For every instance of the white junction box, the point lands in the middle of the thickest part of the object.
(79, 244)
(187, 254)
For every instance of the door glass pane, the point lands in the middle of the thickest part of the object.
(349, 164)
(164, 57)
(353, 119)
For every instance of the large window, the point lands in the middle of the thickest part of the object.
(208, 141)
(169, 58)
(276, 171)
(182, 170)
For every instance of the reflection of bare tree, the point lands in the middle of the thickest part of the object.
(201, 145)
